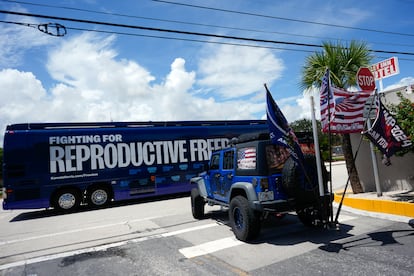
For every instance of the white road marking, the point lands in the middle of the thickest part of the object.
(175, 233)
(343, 218)
(104, 247)
(209, 247)
(75, 231)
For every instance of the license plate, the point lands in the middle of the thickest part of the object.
(265, 196)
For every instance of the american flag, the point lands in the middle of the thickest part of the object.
(348, 114)
(248, 153)
(345, 113)
(247, 158)
(326, 98)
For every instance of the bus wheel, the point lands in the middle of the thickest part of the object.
(66, 200)
(98, 197)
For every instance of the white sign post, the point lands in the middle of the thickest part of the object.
(366, 82)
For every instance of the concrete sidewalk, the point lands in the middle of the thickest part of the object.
(400, 203)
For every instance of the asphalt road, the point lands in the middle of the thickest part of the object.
(161, 238)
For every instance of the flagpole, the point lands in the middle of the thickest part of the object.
(319, 164)
(317, 151)
(330, 138)
(373, 157)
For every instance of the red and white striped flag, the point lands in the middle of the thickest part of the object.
(326, 98)
(246, 158)
(348, 112)
(341, 110)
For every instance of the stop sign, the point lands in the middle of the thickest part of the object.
(366, 79)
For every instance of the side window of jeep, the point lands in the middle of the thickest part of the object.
(228, 160)
(246, 158)
(215, 162)
(276, 157)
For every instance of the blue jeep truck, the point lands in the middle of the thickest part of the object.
(253, 178)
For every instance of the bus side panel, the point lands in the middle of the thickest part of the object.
(22, 186)
(134, 162)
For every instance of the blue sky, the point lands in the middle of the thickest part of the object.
(104, 73)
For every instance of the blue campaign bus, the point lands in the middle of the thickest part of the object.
(63, 165)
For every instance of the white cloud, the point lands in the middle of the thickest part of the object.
(238, 71)
(16, 39)
(297, 108)
(93, 84)
(21, 94)
(89, 63)
(402, 82)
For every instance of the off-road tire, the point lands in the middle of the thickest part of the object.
(310, 208)
(197, 204)
(244, 222)
(296, 184)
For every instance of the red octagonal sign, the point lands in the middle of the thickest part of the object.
(366, 79)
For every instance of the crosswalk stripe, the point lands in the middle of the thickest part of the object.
(175, 233)
(209, 247)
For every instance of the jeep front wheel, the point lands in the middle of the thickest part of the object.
(197, 204)
(244, 222)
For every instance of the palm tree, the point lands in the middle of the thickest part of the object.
(343, 62)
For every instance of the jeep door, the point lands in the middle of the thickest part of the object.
(227, 172)
(223, 177)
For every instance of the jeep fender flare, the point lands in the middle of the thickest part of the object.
(248, 189)
(199, 181)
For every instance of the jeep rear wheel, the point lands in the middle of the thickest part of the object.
(245, 223)
(197, 204)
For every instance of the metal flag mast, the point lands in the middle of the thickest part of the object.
(328, 217)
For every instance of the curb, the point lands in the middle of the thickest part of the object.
(380, 206)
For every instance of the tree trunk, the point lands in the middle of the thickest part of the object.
(350, 164)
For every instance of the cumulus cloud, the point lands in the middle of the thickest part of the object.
(299, 107)
(92, 83)
(16, 39)
(238, 71)
(23, 96)
(402, 82)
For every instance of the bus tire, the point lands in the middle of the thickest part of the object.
(66, 200)
(244, 222)
(98, 196)
(197, 204)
